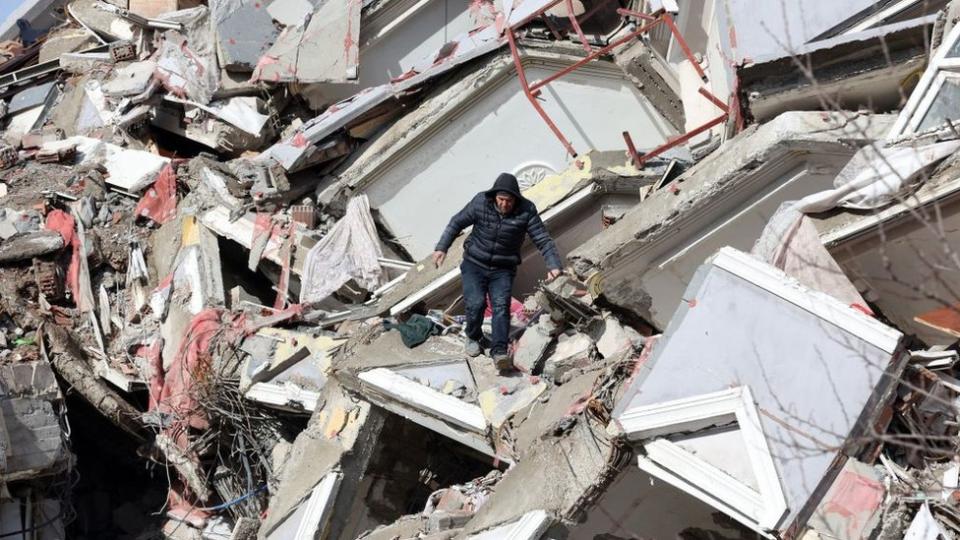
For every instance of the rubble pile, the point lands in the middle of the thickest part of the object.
(219, 317)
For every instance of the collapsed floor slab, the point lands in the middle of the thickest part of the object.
(644, 262)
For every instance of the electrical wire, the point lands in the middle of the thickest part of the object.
(50, 521)
(238, 500)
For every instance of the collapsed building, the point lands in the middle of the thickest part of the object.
(219, 318)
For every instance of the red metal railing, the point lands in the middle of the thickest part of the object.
(532, 92)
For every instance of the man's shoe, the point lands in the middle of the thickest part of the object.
(472, 348)
(502, 361)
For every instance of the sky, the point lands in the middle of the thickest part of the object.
(6, 6)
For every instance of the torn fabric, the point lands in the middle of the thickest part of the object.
(174, 391)
(159, 202)
(349, 251)
(63, 223)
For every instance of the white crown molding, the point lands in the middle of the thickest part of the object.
(437, 404)
(824, 306)
(761, 509)
(530, 526)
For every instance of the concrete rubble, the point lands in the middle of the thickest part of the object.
(219, 317)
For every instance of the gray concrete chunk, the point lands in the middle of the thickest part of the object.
(29, 379)
(533, 343)
(572, 352)
(244, 35)
(33, 431)
(33, 96)
(30, 245)
(290, 12)
(617, 338)
(130, 80)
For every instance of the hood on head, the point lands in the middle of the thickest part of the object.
(506, 182)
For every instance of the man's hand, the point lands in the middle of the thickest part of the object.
(553, 274)
(438, 257)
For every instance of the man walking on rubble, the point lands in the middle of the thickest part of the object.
(501, 218)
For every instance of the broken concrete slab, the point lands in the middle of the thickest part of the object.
(404, 393)
(341, 434)
(81, 63)
(574, 463)
(674, 229)
(277, 350)
(29, 380)
(242, 230)
(499, 404)
(36, 444)
(572, 352)
(773, 89)
(65, 41)
(186, 62)
(129, 170)
(533, 344)
(130, 80)
(286, 369)
(73, 364)
(617, 339)
(242, 112)
(326, 49)
(906, 282)
(29, 245)
(244, 33)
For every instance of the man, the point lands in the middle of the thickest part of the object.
(501, 219)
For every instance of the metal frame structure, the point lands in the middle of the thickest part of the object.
(533, 91)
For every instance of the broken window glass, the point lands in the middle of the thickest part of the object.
(944, 106)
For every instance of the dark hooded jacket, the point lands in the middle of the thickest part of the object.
(496, 240)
